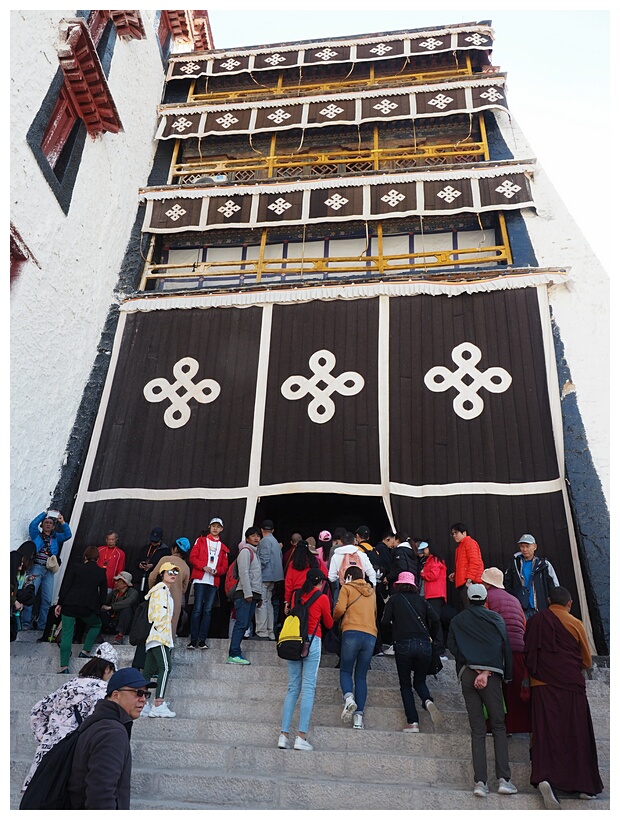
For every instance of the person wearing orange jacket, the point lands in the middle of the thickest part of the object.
(468, 564)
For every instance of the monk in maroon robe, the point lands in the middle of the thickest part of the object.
(563, 745)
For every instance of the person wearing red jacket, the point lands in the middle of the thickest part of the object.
(111, 559)
(208, 559)
(433, 577)
(468, 564)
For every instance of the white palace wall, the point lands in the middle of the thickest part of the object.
(59, 307)
(581, 308)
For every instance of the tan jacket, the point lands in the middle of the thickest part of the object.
(357, 606)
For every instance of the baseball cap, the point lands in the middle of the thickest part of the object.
(107, 652)
(363, 531)
(156, 534)
(125, 576)
(526, 539)
(422, 546)
(183, 544)
(476, 592)
(216, 521)
(128, 677)
(325, 535)
(168, 565)
(267, 524)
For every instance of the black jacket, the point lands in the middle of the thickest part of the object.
(101, 772)
(543, 578)
(404, 559)
(405, 610)
(83, 590)
(478, 639)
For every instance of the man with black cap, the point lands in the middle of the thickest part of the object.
(530, 579)
(101, 771)
(270, 555)
(479, 642)
(147, 558)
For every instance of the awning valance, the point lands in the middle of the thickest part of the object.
(367, 48)
(503, 187)
(353, 108)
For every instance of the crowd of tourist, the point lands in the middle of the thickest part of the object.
(507, 632)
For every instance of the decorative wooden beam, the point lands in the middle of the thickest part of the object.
(128, 24)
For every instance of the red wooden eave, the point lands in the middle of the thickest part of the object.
(128, 24)
(85, 81)
(179, 25)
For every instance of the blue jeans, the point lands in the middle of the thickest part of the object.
(204, 598)
(43, 578)
(301, 679)
(413, 655)
(356, 650)
(243, 618)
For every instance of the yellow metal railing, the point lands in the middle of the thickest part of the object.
(261, 92)
(378, 264)
(328, 163)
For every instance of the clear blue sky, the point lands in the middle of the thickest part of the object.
(557, 63)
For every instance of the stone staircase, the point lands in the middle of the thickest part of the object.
(220, 751)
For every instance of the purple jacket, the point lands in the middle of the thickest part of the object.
(502, 602)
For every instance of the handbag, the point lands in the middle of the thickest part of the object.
(52, 563)
(436, 665)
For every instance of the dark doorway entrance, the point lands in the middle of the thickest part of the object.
(309, 513)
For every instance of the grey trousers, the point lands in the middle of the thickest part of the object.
(491, 697)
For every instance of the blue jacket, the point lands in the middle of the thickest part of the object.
(57, 540)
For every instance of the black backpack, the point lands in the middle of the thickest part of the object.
(140, 626)
(48, 787)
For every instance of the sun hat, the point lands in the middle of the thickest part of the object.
(406, 578)
(494, 577)
(125, 576)
(108, 653)
(325, 535)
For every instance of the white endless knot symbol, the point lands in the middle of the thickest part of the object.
(279, 206)
(381, 49)
(227, 120)
(321, 386)
(182, 124)
(176, 212)
(229, 208)
(431, 44)
(326, 54)
(178, 414)
(229, 64)
(449, 194)
(492, 95)
(189, 67)
(440, 101)
(467, 356)
(331, 111)
(385, 106)
(279, 116)
(392, 198)
(336, 202)
(476, 39)
(508, 188)
(275, 59)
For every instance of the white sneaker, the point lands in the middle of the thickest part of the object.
(302, 745)
(161, 711)
(146, 710)
(389, 650)
(358, 721)
(433, 712)
(284, 742)
(349, 707)
(548, 795)
(412, 727)
(481, 789)
(506, 787)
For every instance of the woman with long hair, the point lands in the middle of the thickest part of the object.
(302, 674)
(160, 639)
(302, 560)
(82, 594)
(59, 713)
(357, 609)
(414, 626)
